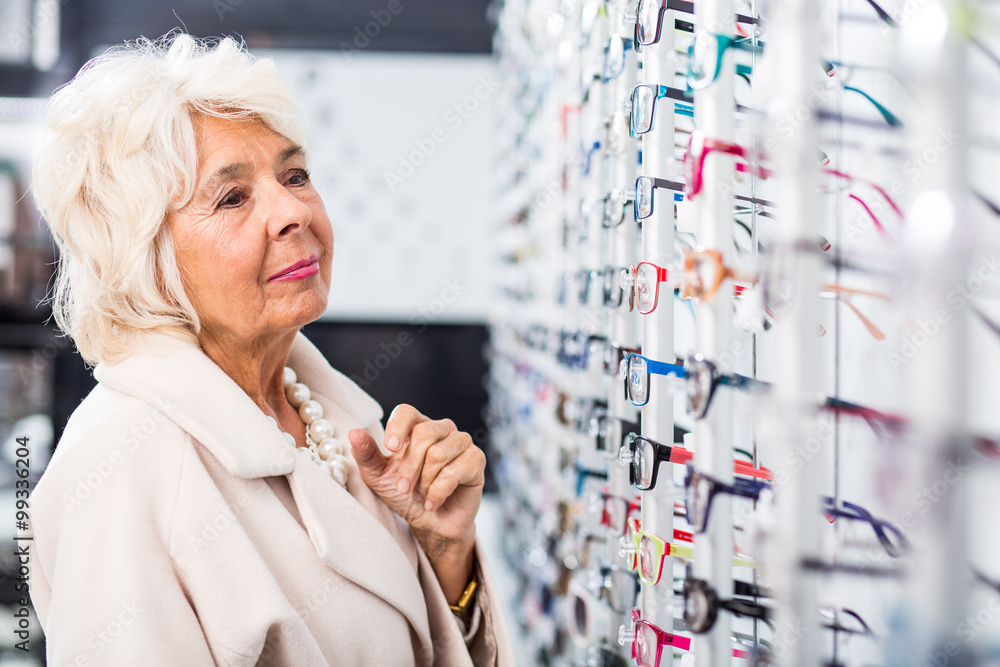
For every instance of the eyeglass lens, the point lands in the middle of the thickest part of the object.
(638, 379)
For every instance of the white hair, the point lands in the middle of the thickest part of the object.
(120, 151)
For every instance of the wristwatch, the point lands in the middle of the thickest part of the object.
(463, 601)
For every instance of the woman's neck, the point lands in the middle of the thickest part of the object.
(256, 366)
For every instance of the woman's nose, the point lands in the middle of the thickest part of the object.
(286, 214)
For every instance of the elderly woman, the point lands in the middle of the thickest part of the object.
(224, 496)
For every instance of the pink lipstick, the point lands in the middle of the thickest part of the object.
(297, 271)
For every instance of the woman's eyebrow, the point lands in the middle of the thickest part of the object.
(229, 171)
(237, 169)
(292, 151)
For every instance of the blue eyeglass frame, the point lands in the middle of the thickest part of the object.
(880, 526)
(741, 486)
(653, 367)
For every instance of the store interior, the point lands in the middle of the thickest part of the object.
(710, 283)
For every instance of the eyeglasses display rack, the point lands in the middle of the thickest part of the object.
(740, 355)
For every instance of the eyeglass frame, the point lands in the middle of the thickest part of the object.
(608, 75)
(653, 367)
(608, 219)
(705, 145)
(629, 281)
(582, 552)
(723, 273)
(631, 507)
(610, 280)
(880, 526)
(661, 453)
(583, 474)
(722, 44)
(741, 486)
(605, 586)
(630, 548)
(682, 105)
(696, 361)
(675, 5)
(626, 426)
(613, 366)
(654, 183)
(704, 622)
(671, 454)
(663, 638)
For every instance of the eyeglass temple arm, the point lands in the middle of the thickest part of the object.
(688, 8)
(853, 511)
(893, 421)
(740, 608)
(672, 93)
(882, 14)
(744, 44)
(868, 324)
(762, 202)
(840, 289)
(879, 525)
(875, 186)
(875, 220)
(663, 368)
(742, 381)
(989, 204)
(667, 185)
(748, 488)
(890, 117)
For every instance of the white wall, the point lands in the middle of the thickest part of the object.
(413, 248)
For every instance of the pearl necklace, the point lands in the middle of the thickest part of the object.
(330, 451)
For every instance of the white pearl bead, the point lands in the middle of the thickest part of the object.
(297, 394)
(310, 411)
(320, 430)
(338, 471)
(272, 420)
(330, 447)
(288, 377)
(290, 438)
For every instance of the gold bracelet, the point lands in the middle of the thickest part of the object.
(463, 601)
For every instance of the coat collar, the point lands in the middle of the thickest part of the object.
(352, 530)
(178, 379)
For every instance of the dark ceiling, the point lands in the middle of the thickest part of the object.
(454, 26)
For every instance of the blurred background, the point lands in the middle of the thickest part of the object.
(379, 84)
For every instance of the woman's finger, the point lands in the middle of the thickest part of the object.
(467, 470)
(421, 437)
(401, 422)
(439, 455)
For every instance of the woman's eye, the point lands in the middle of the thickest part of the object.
(232, 199)
(299, 177)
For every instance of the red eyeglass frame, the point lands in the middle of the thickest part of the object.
(706, 145)
(632, 507)
(663, 638)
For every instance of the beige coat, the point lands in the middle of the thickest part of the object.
(175, 526)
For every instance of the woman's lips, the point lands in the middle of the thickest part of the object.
(298, 270)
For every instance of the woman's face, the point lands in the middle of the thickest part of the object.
(254, 244)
